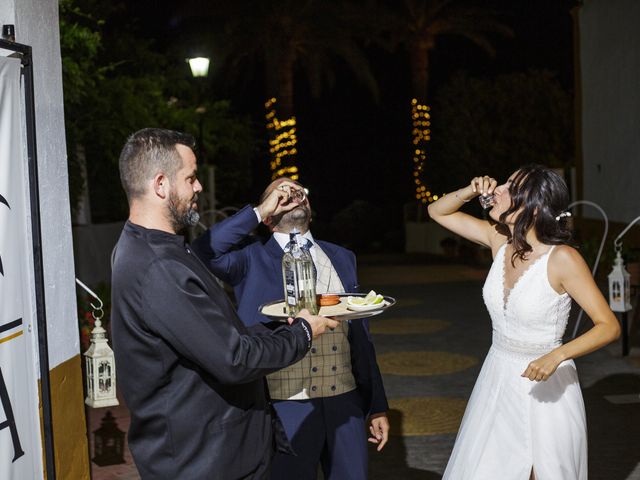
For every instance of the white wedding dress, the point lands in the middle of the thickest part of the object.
(511, 423)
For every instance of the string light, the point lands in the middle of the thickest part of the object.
(282, 144)
(421, 135)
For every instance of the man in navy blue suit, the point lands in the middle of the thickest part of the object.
(325, 399)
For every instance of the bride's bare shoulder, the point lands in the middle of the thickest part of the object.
(565, 254)
(566, 260)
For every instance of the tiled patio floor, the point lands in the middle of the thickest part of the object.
(449, 298)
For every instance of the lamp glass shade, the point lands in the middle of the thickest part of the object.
(199, 66)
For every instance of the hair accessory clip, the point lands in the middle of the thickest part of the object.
(563, 214)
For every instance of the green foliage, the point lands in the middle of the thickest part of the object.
(230, 143)
(79, 44)
(492, 126)
(115, 91)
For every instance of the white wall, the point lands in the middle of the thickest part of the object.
(610, 76)
(36, 23)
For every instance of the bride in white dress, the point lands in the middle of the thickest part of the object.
(525, 418)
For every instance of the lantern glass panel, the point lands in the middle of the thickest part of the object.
(616, 291)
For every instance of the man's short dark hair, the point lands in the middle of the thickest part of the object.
(148, 152)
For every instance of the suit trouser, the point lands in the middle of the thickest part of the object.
(329, 431)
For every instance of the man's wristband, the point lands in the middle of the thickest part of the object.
(306, 328)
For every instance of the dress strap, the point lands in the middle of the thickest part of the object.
(546, 256)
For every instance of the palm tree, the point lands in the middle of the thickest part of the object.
(289, 35)
(416, 26)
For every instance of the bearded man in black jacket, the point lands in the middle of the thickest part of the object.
(191, 373)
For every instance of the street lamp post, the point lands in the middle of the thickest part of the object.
(199, 70)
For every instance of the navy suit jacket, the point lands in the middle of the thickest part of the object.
(255, 272)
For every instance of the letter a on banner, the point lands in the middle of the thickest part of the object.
(20, 441)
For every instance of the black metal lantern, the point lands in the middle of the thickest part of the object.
(108, 442)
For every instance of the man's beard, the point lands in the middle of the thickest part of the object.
(299, 218)
(182, 216)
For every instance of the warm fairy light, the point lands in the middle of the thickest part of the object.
(421, 135)
(282, 144)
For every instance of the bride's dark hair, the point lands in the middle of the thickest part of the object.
(542, 195)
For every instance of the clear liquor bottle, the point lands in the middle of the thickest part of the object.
(298, 277)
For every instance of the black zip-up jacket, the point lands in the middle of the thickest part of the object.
(191, 373)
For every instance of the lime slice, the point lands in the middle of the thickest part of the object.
(368, 300)
(355, 300)
(379, 299)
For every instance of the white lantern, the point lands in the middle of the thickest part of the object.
(619, 286)
(101, 370)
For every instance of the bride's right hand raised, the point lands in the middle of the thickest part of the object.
(446, 211)
(484, 185)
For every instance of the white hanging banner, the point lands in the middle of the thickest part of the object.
(20, 440)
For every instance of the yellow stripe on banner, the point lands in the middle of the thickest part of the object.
(11, 337)
(69, 427)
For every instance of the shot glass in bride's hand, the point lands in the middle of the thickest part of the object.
(486, 201)
(485, 186)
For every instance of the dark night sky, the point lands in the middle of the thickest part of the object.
(352, 148)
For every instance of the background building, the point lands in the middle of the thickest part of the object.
(608, 106)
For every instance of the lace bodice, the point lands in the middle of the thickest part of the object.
(532, 312)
